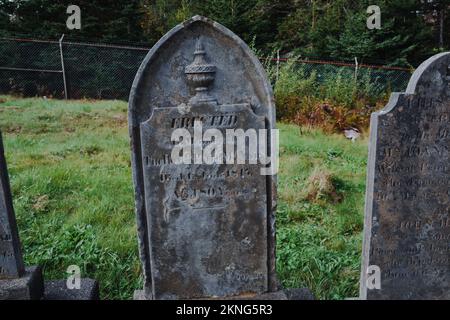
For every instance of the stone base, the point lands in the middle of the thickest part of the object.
(57, 290)
(31, 287)
(28, 287)
(299, 294)
(139, 295)
(287, 294)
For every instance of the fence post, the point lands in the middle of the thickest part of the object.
(62, 67)
(278, 64)
(356, 69)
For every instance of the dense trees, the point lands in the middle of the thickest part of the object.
(410, 30)
(105, 20)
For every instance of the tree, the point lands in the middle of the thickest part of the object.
(105, 20)
(437, 13)
(411, 30)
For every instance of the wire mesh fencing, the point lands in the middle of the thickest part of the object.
(75, 70)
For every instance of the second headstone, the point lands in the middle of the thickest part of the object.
(407, 228)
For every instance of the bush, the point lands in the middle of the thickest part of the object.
(326, 96)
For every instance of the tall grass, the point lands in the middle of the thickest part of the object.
(69, 164)
(70, 171)
(326, 96)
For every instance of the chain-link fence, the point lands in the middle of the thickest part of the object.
(381, 79)
(76, 70)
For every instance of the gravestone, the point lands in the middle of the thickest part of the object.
(11, 263)
(205, 230)
(18, 282)
(407, 222)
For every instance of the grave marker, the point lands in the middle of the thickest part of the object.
(205, 230)
(11, 263)
(407, 222)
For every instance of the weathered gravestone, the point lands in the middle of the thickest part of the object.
(18, 282)
(407, 224)
(205, 230)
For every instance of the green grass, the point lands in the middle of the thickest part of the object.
(319, 239)
(70, 172)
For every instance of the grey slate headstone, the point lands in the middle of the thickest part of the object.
(407, 218)
(204, 230)
(11, 263)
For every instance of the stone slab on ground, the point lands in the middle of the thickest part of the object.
(211, 228)
(27, 287)
(287, 294)
(57, 290)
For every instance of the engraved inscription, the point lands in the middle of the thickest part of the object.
(226, 205)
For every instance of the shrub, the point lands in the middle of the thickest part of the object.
(328, 97)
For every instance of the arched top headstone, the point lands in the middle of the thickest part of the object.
(432, 77)
(407, 213)
(239, 76)
(205, 230)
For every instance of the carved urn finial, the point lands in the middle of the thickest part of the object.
(200, 75)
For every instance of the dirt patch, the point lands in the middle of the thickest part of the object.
(41, 203)
(120, 119)
(13, 129)
(320, 186)
(10, 108)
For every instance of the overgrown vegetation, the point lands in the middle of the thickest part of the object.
(70, 171)
(328, 97)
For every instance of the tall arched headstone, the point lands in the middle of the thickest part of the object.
(11, 262)
(406, 248)
(204, 230)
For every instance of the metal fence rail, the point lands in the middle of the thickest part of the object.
(65, 69)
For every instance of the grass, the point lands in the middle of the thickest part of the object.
(320, 211)
(69, 164)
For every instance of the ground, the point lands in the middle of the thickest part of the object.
(69, 164)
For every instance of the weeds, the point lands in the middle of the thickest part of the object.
(326, 98)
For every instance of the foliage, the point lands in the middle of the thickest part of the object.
(329, 97)
(105, 20)
(70, 172)
(69, 165)
(411, 30)
(320, 211)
